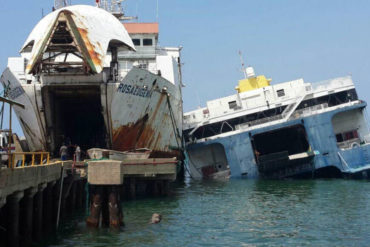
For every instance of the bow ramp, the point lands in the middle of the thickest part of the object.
(74, 39)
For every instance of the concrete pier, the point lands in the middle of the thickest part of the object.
(109, 179)
(29, 200)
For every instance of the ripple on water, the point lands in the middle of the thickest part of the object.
(241, 213)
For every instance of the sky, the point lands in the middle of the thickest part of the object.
(283, 40)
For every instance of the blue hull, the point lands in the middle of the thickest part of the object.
(320, 135)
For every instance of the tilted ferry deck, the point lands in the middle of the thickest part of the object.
(283, 130)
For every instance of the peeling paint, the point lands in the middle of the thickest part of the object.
(95, 56)
(138, 135)
(147, 124)
(95, 27)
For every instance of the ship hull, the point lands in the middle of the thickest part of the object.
(146, 112)
(240, 151)
(142, 110)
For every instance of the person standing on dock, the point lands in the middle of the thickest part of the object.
(78, 153)
(63, 152)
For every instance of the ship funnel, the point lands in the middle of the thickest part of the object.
(250, 72)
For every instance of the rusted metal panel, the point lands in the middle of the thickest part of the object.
(93, 30)
(141, 116)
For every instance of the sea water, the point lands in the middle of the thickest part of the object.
(333, 212)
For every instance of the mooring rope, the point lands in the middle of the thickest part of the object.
(177, 131)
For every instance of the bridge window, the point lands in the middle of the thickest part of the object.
(143, 66)
(137, 42)
(147, 42)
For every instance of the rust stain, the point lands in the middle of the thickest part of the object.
(99, 45)
(140, 134)
(95, 57)
(29, 66)
(159, 137)
(132, 136)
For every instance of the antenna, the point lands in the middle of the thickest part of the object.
(157, 16)
(243, 65)
(137, 8)
(196, 92)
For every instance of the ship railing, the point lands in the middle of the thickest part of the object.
(140, 51)
(332, 84)
(355, 142)
(126, 70)
(309, 110)
(367, 138)
(297, 113)
(290, 109)
(258, 122)
(28, 159)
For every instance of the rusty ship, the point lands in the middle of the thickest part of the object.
(90, 78)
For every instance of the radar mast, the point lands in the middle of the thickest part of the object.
(61, 3)
(115, 8)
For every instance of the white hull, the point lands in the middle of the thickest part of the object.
(134, 118)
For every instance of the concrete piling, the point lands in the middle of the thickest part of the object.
(28, 209)
(72, 197)
(48, 207)
(12, 223)
(115, 212)
(38, 213)
(95, 210)
(105, 208)
(27, 216)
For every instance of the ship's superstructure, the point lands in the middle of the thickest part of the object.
(279, 130)
(84, 80)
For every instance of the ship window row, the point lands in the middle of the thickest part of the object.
(280, 93)
(346, 136)
(268, 115)
(233, 105)
(142, 42)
